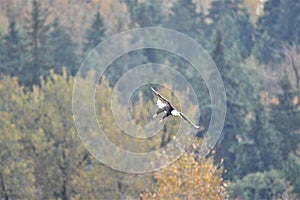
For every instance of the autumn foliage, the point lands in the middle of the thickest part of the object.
(42, 156)
(189, 178)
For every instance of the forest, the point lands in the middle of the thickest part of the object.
(255, 45)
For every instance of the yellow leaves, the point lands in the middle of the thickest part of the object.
(295, 100)
(6, 170)
(268, 99)
(189, 178)
(36, 95)
(40, 127)
(18, 179)
(37, 124)
(139, 111)
(39, 141)
(8, 132)
(36, 138)
(16, 171)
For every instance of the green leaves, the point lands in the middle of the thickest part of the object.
(285, 116)
(275, 27)
(234, 23)
(290, 169)
(261, 185)
(185, 18)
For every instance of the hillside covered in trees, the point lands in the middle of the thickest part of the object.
(256, 47)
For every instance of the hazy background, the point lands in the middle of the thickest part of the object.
(255, 45)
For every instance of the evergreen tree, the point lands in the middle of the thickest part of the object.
(38, 45)
(219, 9)
(64, 49)
(289, 20)
(266, 35)
(259, 150)
(285, 117)
(278, 25)
(14, 56)
(218, 53)
(147, 14)
(233, 21)
(291, 171)
(95, 34)
(131, 7)
(261, 185)
(185, 18)
(2, 56)
(238, 90)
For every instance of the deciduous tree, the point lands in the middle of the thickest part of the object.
(189, 178)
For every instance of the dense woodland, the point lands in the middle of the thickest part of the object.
(256, 47)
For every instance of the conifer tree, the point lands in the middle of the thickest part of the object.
(233, 21)
(259, 149)
(95, 34)
(147, 14)
(239, 92)
(185, 18)
(276, 26)
(14, 56)
(285, 117)
(289, 21)
(266, 35)
(64, 49)
(131, 7)
(38, 45)
(291, 169)
(261, 185)
(2, 56)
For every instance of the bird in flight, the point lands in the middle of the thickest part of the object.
(169, 109)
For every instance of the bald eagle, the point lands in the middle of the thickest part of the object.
(169, 109)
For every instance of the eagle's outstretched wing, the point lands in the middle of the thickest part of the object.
(180, 113)
(161, 97)
(189, 121)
